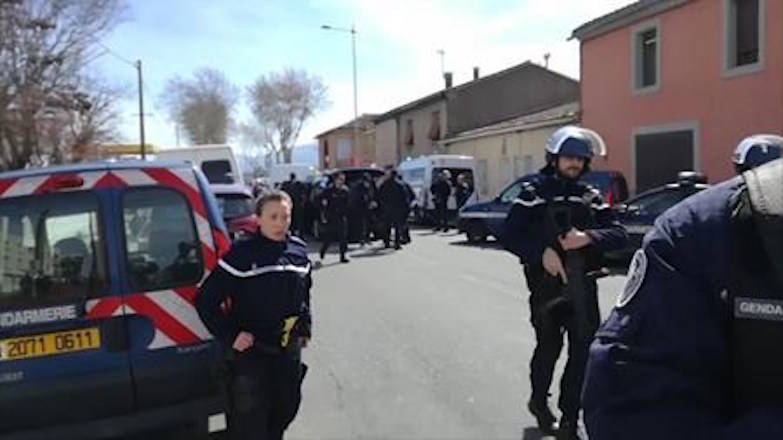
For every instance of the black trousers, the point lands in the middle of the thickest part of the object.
(265, 393)
(396, 224)
(336, 231)
(365, 222)
(441, 216)
(557, 312)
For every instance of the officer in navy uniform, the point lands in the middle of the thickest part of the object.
(756, 150)
(335, 203)
(559, 227)
(692, 348)
(257, 303)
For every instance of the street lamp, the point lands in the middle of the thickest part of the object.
(351, 31)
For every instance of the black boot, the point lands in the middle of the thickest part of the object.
(540, 410)
(568, 430)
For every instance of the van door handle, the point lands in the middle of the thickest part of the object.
(115, 334)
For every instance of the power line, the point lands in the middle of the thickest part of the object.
(116, 55)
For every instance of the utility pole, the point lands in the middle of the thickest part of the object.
(141, 111)
(357, 148)
(353, 32)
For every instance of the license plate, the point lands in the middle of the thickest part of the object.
(50, 344)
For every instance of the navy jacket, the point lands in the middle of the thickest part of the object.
(265, 282)
(525, 228)
(657, 367)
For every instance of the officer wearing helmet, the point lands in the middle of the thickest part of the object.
(559, 226)
(756, 150)
(692, 348)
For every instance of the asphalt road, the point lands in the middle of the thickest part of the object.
(431, 342)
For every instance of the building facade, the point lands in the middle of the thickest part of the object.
(420, 127)
(511, 149)
(336, 146)
(674, 85)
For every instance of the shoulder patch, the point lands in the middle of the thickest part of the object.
(636, 272)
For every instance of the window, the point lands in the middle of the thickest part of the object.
(657, 202)
(217, 171)
(511, 193)
(743, 45)
(162, 247)
(434, 133)
(52, 250)
(235, 205)
(646, 57)
(409, 132)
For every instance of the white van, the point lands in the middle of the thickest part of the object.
(420, 172)
(217, 162)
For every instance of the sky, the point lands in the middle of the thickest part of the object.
(397, 48)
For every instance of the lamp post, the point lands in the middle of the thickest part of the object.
(351, 31)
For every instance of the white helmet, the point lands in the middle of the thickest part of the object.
(577, 142)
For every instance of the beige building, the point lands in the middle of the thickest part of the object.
(336, 146)
(510, 149)
(421, 127)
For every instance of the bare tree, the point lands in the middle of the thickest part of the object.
(44, 46)
(282, 103)
(71, 131)
(255, 144)
(203, 106)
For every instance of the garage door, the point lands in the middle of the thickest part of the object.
(660, 156)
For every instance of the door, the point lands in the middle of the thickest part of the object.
(660, 156)
(61, 360)
(172, 355)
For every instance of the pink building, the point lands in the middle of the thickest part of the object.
(675, 84)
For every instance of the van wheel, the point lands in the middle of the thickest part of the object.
(476, 233)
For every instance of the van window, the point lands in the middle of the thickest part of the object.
(161, 243)
(414, 175)
(235, 205)
(217, 171)
(52, 250)
(456, 172)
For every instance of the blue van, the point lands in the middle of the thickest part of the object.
(481, 220)
(99, 267)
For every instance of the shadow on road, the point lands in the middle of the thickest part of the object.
(533, 433)
(484, 245)
(373, 252)
(320, 266)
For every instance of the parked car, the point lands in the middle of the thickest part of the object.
(352, 175)
(481, 220)
(612, 185)
(638, 213)
(237, 209)
(98, 333)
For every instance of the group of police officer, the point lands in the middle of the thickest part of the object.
(689, 351)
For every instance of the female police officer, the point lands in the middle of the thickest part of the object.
(257, 301)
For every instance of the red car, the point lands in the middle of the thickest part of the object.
(237, 208)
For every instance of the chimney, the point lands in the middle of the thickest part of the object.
(475, 73)
(448, 77)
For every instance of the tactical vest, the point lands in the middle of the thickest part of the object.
(755, 295)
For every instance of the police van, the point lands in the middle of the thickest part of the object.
(99, 267)
(421, 172)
